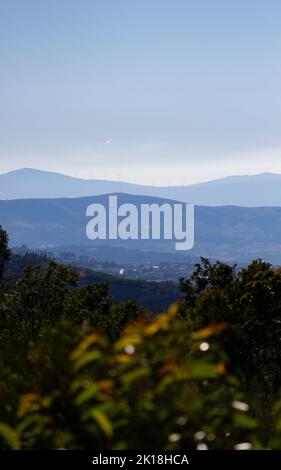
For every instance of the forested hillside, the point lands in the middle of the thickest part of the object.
(79, 371)
(150, 295)
(224, 233)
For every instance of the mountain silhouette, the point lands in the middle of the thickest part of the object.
(249, 191)
(226, 233)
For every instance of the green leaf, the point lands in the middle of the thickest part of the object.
(103, 422)
(135, 375)
(10, 436)
(86, 359)
(203, 371)
(87, 395)
(243, 421)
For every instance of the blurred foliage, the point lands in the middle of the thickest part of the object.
(79, 371)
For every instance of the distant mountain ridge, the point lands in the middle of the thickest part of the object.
(226, 233)
(248, 191)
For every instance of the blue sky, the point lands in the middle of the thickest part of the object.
(159, 91)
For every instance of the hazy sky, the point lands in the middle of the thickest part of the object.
(163, 91)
